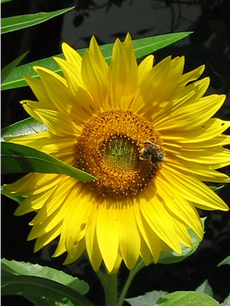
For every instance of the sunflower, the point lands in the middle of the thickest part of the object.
(146, 133)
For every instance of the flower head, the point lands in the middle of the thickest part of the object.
(146, 133)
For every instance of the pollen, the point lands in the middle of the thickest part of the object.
(109, 148)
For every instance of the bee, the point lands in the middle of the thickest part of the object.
(152, 151)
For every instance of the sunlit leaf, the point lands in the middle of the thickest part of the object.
(9, 68)
(149, 45)
(21, 159)
(13, 267)
(142, 47)
(35, 282)
(149, 298)
(15, 23)
(185, 298)
(27, 126)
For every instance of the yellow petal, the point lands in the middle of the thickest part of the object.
(91, 242)
(151, 240)
(159, 220)
(108, 235)
(73, 78)
(58, 123)
(47, 238)
(191, 115)
(40, 92)
(76, 252)
(144, 67)
(194, 190)
(198, 135)
(123, 74)
(179, 206)
(94, 74)
(129, 237)
(56, 88)
(72, 57)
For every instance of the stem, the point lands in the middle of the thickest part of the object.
(109, 282)
(125, 288)
(131, 276)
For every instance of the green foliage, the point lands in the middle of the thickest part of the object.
(205, 288)
(185, 298)
(150, 298)
(202, 296)
(142, 47)
(9, 68)
(145, 46)
(24, 127)
(226, 261)
(21, 159)
(18, 199)
(40, 284)
(179, 298)
(226, 302)
(12, 267)
(216, 188)
(15, 23)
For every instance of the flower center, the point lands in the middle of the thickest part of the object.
(112, 147)
(120, 153)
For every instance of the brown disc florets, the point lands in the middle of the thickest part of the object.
(109, 149)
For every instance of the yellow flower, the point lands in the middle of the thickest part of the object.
(145, 132)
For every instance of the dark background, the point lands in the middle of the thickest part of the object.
(209, 45)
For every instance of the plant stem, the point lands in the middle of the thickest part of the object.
(109, 282)
(125, 288)
(131, 276)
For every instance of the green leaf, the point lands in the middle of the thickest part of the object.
(149, 45)
(185, 298)
(36, 287)
(9, 68)
(205, 288)
(12, 267)
(216, 188)
(173, 257)
(21, 159)
(149, 298)
(226, 302)
(4, 1)
(15, 23)
(18, 199)
(142, 47)
(24, 127)
(226, 261)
